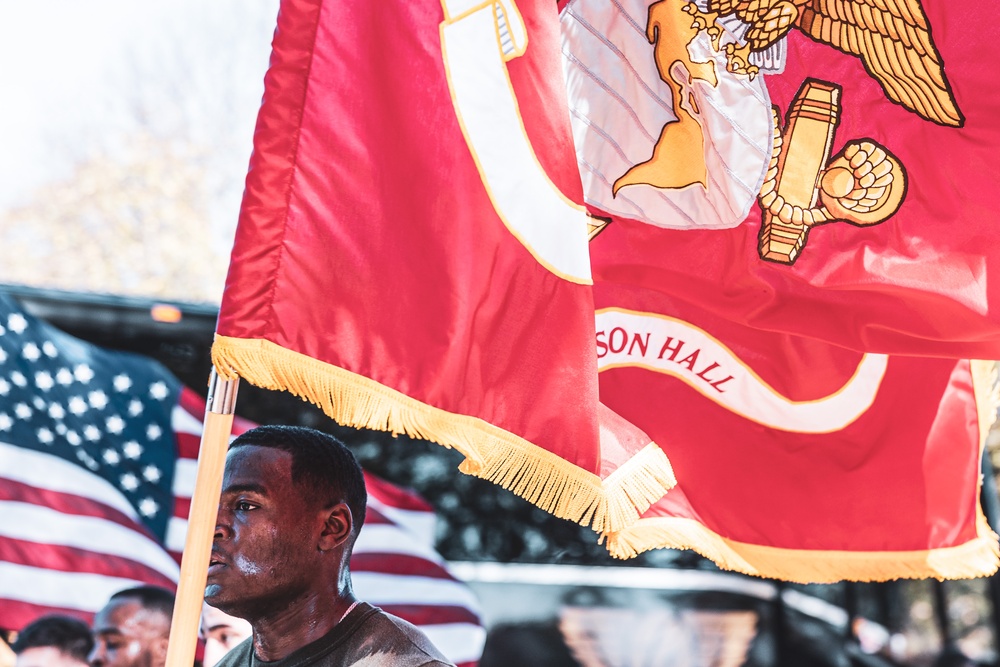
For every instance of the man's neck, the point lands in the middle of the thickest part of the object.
(300, 623)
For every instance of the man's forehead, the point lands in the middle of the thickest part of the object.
(117, 615)
(249, 459)
(251, 465)
(127, 616)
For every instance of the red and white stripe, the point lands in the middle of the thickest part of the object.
(68, 540)
(395, 567)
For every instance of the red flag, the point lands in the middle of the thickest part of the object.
(874, 225)
(796, 459)
(408, 255)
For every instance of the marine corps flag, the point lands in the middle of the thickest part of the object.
(795, 459)
(409, 256)
(843, 153)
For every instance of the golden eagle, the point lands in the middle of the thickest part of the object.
(892, 38)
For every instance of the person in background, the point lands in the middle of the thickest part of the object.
(53, 641)
(133, 629)
(293, 502)
(222, 633)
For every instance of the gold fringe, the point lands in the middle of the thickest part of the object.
(976, 558)
(537, 475)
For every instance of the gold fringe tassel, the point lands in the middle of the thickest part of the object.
(976, 558)
(533, 473)
(979, 557)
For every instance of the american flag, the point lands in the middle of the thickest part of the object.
(98, 456)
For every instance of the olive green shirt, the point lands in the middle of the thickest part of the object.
(367, 637)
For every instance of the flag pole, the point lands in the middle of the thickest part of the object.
(219, 408)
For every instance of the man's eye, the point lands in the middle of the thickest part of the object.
(244, 506)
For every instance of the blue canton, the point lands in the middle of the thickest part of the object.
(108, 412)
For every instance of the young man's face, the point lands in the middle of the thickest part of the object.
(128, 635)
(222, 633)
(266, 537)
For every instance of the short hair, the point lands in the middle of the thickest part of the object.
(153, 598)
(321, 463)
(69, 635)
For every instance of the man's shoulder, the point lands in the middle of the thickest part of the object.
(390, 635)
(370, 637)
(238, 656)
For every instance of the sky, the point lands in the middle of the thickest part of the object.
(84, 81)
(75, 71)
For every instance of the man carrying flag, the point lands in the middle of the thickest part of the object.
(85, 439)
(293, 504)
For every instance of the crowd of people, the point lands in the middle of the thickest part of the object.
(131, 630)
(293, 502)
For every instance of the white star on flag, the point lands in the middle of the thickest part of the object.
(158, 390)
(132, 450)
(115, 425)
(153, 432)
(77, 406)
(64, 376)
(22, 411)
(98, 400)
(91, 432)
(49, 349)
(148, 507)
(45, 436)
(129, 482)
(83, 373)
(5, 421)
(122, 382)
(151, 474)
(31, 352)
(17, 377)
(111, 457)
(43, 380)
(17, 323)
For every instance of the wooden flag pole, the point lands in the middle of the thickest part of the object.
(201, 520)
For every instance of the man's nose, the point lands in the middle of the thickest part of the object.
(97, 656)
(223, 524)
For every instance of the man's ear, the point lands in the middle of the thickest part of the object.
(338, 526)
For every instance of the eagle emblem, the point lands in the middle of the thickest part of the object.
(686, 139)
(892, 38)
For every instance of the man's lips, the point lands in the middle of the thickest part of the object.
(216, 563)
